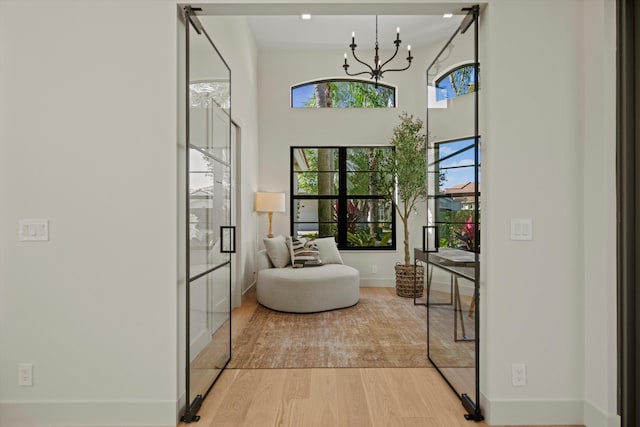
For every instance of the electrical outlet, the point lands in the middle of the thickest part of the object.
(518, 374)
(374, 269)
(25, 374)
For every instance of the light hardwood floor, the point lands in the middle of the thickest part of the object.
(332, 397)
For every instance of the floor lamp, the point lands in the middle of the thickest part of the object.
(270, 203)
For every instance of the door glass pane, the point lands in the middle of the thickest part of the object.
(209, 209)
(453, 205)
(209, 193)
(209, 329)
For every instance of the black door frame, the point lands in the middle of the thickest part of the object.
(628, 185)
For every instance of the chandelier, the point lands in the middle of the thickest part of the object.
(376, 71)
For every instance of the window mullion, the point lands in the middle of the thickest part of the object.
(342, 197)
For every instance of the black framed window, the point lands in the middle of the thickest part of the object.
(338, 192)
(342, 93)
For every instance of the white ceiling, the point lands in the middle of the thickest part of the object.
(334, 31)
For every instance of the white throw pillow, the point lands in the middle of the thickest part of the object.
(329, 253)
(277, 251)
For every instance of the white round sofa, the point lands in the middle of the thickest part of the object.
(308, 289)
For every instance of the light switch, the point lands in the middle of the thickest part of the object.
(521, 229)
(31, 229)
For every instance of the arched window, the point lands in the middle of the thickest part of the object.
(457, 82)
(342, 93)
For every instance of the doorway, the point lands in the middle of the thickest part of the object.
(227, 9)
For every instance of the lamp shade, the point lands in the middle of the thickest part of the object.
(270, 202)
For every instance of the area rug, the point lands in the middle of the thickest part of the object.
(376, 332)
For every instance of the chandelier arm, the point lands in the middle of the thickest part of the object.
(390, 59)
(398, 69)
(353, 52)
(357, 74)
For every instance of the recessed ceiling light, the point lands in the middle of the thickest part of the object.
(306, 16)
(448, 15)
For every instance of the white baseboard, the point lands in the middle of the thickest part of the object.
(390, 282)
(545, 412)
(377, 282)
(199, 343)
(528, 412)
(88, 413)
(246, 292)
(594, 417)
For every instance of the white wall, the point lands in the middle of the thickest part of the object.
(88, 141)
(543, 158)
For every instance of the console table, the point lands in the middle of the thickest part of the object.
(459, 264)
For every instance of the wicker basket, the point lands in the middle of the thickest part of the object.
(409, 280)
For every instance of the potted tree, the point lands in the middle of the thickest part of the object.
(406, 183)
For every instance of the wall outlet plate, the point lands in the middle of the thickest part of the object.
(518, 374)
(25, 374)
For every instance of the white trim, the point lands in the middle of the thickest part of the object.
(546, 412)
(246, 292)
(594, 417)
(378, 282)
(89, 413)
(533, 411)
(200, 342)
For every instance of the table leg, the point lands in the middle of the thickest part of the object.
(458, 312)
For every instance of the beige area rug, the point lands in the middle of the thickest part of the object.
(386, 332)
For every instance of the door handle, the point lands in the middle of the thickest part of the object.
(228, 239)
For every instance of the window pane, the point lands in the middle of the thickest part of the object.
(456, 164)
(366, 171)
(366, 159)
(369, 210)
(363, 234)
(455, 199)
(458, 235)
(315, 230)
(460, 81)
(315, 183)
(315, 217)
(315, 159)
(365, 183)
(342, 93)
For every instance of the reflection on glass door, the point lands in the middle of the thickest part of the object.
(452, 236)
(210, 235)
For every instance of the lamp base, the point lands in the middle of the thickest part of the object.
(270, 215)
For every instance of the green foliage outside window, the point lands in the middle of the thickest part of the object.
(343, 94)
